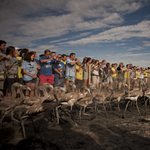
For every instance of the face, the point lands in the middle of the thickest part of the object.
(3, 47)
(104, 62)
(32, 57)
(59, 56)
(47, 55)
(64, 58)
(73, 57)
(35, 55)
(53, 55)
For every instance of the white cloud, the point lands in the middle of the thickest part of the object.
(120, 44)
(135, 48)
(142, 29)
(146, 43)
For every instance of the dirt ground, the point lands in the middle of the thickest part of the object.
(97, 133)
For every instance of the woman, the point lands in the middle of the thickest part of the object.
(86, 70)
(108, 72)
(95, 73)
(11, 68)
(120, 75)
(30, 72)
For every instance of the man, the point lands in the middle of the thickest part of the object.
(53, 55)
(59, 69)
(70, 68)
(46, 75)
(3, 57)
(127, 75)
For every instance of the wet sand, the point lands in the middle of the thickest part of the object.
(96, 133)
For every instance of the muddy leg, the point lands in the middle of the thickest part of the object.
(126, 107)
(105, 109)
(138, 108)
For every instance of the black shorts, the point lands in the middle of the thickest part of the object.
(32, 81)
(78, 83)
(10, 82)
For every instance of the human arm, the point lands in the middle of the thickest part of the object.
(56, 70)
(72, 63)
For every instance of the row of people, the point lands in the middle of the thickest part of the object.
(22, 66)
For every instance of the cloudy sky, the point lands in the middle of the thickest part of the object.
(115, 30)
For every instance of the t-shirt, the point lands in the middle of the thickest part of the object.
(19, 68)
(64, 62)
(13, 71)
(126, 74)
(113, 74)
(146, 74)
(60, 65)
(79, 73)
(95, 72)
(30, 68)
(137, 74)
(2, 62)
(46, 67)
(108, 71)
(70, 69)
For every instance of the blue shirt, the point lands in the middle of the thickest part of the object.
(30, 68)
(70, 69)
(46, 67)
(60, 65)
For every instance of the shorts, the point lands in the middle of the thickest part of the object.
(21, 81)
(109, 79)
(32, 81)
(10, 82)
(2, 84)
(120, 78)
(58, 82)
(46, 79)
(78, 83)
(72, 77)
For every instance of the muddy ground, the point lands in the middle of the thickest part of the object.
(97, 133)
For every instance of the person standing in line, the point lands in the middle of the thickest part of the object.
(46, 74)
(11, 68)
(30, 72)
(59, 69)
(108, 72)
(3, 57)
(95, 73)
(86, 71)
(79, 76)
(70, 68)
(114, 75)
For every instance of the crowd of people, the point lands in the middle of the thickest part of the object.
(22, 65)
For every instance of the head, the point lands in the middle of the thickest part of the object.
(88, 60)
(24, 51)
(127, 66)
(115, 65)
(96, 61)
(10, 50)
(79, 63)
(2, 45)
(107, 64)
(103, 62)
(53, 54)
(93, 61)
(85, 59)
(72, 56)
(121, 64)
(67, 56)
(29, 57)
(63, 57)
(35, 55)
(59, 55)
(47, 53)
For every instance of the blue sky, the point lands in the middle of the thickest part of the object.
(115, 30)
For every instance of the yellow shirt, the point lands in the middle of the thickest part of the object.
(146, 73)
(79, 73)
(113, 74)
(126, 74)
(137, 74)
(19, 68)
(64, 62)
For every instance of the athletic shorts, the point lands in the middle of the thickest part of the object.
(46, 79)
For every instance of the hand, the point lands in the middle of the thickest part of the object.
(34, 76)
(61, 76)
(7, 57)
(60, 69)
(77, 59)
